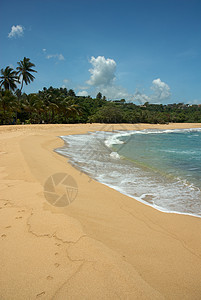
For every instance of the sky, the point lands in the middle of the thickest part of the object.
(139, 50)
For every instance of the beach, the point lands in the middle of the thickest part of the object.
(104, 245)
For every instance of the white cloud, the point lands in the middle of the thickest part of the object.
(140, 97)
(65, 81)
(82, 87)
(113, 92)
(161, 90)
(103, 71)
(103, 78)
(83, 93)
(58, 56)
(16, 31)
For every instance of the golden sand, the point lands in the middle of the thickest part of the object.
(104, 245)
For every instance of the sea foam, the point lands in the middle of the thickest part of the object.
(103, 156)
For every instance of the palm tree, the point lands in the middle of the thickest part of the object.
(24, 70)
(54, 108)
(39, 107)
(8, 105)
(18, 93)
(9, 78)
(68, 108)
(28, 105)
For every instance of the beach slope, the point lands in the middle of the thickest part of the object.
(104, 245)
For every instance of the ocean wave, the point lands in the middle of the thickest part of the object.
(180, 151)
(115, 139)
(92, 154)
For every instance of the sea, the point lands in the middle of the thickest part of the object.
(161, 168)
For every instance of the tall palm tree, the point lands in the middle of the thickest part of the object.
(24, 70)
(9, 78)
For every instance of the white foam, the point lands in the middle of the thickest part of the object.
(88, 152)
(113, 141)
(115, 138)
(115, 155)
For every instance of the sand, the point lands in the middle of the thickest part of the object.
(104, 245)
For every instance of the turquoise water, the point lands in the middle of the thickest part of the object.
(173, 154)
(161, 168)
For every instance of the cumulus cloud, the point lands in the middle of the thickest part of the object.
(161, 90)
(113, 92)
(83, 93)
(102, 71)
(140, 97)
(16, 31)
(103, 78)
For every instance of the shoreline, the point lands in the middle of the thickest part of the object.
(103, 245)
(157, 207)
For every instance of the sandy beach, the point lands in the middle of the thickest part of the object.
(104, 245)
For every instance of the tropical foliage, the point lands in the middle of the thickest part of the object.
(9, 78)
(55, 105)
(59, 105)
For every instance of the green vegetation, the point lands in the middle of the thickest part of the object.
(9, 79)
(55, 105)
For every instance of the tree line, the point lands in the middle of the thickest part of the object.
(59, 105)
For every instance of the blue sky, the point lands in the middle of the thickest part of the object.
(139, 50)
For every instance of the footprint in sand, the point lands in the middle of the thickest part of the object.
(49, 277)
(41, 294)
(8, 226)
(18, 217)
(58, 245)
(57, 265)
(3, 235)
(56, 253)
